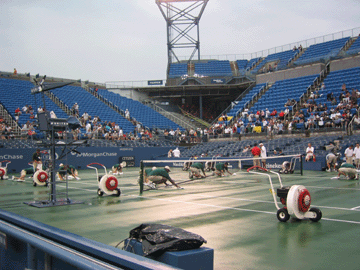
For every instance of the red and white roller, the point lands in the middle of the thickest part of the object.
(3, 169)
(108, 183)
(296, 199)
(40, 178)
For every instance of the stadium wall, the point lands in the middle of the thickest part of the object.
(290, 73)
(109, 156)
(345, 63)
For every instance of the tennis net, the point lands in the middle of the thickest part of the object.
(180, 170)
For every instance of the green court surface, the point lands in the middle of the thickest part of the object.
(235, 214)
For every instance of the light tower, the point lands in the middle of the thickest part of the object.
(182, 22)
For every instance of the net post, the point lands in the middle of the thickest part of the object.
(301, 165)
(141, 182)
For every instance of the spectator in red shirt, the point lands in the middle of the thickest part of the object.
(281, 115)
(256, 153)
(273, 113)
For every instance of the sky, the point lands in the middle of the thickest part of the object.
(104, 41)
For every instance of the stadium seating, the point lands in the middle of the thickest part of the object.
(282, 59)
(354, 48)
(281, 91)
(213, 68)
(145, 115)
(321, 51)
(177, 70)
(16, 94)
(248, 97)
(333, 82)
(289, 146)
(90, 104)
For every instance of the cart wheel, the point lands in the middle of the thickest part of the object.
(100, 192)
(34, 184)
(118, 192)
(282, 215)
(318, 213)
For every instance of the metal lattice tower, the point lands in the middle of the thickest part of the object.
(182, 20)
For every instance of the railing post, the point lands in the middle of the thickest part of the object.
(31, 261)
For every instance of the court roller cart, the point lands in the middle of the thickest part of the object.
(40, 177)
(296, 199)
(3, 169)
(108, 184)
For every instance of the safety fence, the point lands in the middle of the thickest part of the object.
(28, 244)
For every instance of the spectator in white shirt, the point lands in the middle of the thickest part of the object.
(357, 155)
(349, 153)
(309, 152)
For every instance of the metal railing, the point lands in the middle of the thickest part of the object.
(171, 116)
(305, 43)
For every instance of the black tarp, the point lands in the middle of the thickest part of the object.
(158, 238)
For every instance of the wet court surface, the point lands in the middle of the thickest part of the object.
(235, 214)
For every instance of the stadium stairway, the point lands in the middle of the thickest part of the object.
(4, 114)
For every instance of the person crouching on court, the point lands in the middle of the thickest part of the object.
(161, 176)
(27, 171)
(220, 169)
(348, 170)
(71, 170)
(62, 171)
(196, 168)
(23, 173)
(117, 169)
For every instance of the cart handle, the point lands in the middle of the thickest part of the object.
(8, 161)
(95, 163)
(257, 167)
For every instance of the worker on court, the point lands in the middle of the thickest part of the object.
(146, 180)
(117, 169)
(196, 169)
(72, 172)
(24, 172)
(348, 170)
(161, 176)
(62, 171)
(221, 168)
(36, 158)
(331, 161)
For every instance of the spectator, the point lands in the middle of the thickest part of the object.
(309, 152)
(176, 153)
(127, 114)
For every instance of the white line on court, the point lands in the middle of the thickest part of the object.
(236, 208)
(237, 199)
(358, 189)
(354, 208)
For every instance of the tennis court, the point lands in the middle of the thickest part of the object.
(235, 214)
